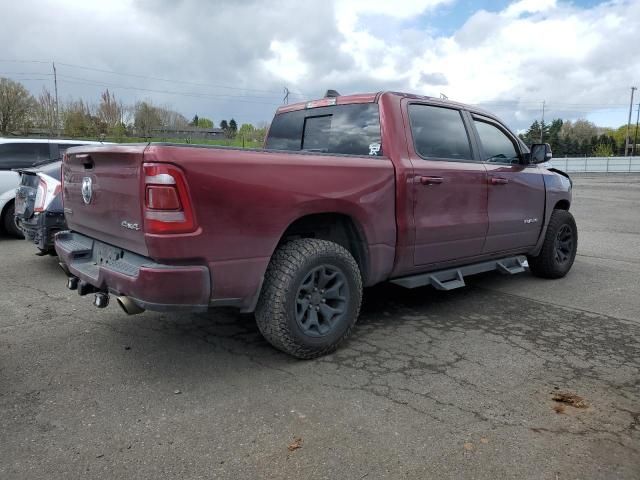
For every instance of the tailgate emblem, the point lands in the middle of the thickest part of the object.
(87, 190)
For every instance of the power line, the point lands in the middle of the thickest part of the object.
(168, 92)
(222, 95)
(149, 77)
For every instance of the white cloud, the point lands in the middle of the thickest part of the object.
(531, 51)
(286, 62)
(528, 6)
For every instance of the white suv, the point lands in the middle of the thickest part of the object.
(23, 153)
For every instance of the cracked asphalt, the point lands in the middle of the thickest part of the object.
(431, 384)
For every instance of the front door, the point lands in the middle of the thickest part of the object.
(449, 187)
(516, 190)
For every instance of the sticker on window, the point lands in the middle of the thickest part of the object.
(374, 148)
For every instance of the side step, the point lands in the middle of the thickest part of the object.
(454, 277)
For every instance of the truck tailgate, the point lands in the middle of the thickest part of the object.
(102, 198)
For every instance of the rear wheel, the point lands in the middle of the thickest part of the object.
(9, 222)
(310, 299)
(559, 248)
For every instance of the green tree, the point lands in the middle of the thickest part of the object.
(16, 106)
(146, 118)
(45, 113)
(233, 128)
(195, 120)
(205, 122)
(532, 135)
(110, 112)
(603, 150)
(553, 137)
(224, 125)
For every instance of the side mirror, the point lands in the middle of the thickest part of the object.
(540, 153)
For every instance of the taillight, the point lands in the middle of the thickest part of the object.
(167, 206)
(48, 189)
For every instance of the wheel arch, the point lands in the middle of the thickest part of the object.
(337, 227)
(563, 204)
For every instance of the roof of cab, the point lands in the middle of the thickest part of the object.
(373, 97)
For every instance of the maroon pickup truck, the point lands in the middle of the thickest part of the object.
(349, 191)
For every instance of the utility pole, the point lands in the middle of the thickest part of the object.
(55, 85)
(628, 138)
(635, 136)
(542, 123)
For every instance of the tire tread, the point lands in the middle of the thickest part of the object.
(271, 310)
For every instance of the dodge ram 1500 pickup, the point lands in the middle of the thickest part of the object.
(349, 191)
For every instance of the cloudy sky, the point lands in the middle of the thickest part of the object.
(225, 59)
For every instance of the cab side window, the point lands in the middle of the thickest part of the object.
(497, 147)
(439, 133)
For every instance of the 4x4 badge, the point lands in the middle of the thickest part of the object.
(87, 190)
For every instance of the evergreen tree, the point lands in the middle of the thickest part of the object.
(194, 122)
(224, 125)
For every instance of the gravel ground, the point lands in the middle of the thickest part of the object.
(432, 384)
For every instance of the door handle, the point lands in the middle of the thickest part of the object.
(431, 180)
(499, 181)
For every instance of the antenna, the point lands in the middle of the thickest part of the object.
(443, 96)
(285, 100)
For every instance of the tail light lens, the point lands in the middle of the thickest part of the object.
(48, 189)
(167, 206)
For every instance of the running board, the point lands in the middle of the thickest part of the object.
(454, 277)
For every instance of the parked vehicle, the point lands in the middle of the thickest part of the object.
(349, 192)
(38, 205)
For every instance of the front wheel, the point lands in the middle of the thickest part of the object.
(559, 248)
(310, 299)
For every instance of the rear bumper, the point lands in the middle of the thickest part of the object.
(41, 228)
(151, 285)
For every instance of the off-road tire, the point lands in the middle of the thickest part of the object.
(276, 309)
(9, 222)
(546, 263)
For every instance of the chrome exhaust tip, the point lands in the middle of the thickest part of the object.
(72, 283)
(101, 300)
(129, 306)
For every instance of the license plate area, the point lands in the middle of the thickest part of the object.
(106, 254)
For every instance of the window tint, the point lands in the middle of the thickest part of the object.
(344, 129)
(439, 133)
(17, 155)
(497, 147)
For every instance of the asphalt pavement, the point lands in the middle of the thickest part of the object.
(432, 384)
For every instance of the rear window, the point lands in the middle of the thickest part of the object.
(19, 155)
(341, 129)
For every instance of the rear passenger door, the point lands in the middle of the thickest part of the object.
(449, 186)
(516, 189)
